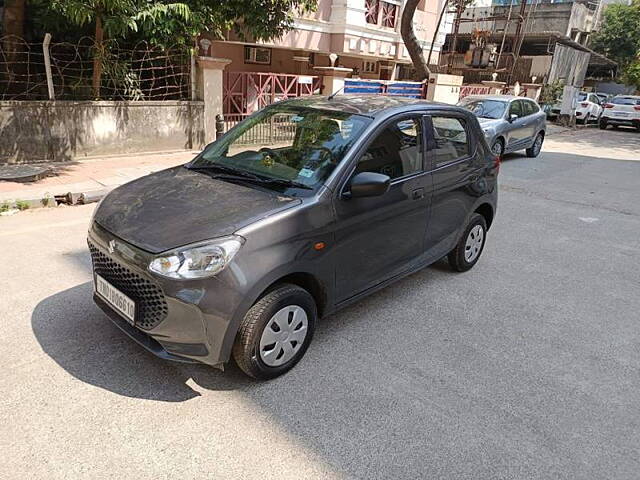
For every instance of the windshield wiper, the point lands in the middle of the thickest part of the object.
(241, 175)
(286, 183)
(224, 168)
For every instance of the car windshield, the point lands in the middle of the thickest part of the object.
(582, 97)
(493, 109)
(288, 146)
(625, 101)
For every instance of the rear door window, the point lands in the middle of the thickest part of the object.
(451, 141)
(529, 107)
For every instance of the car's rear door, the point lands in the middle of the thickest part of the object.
(453, 168)
(377, 238)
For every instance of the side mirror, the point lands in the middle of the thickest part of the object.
(368, 184)
(513, 117)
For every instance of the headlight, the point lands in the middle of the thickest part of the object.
(197, 261)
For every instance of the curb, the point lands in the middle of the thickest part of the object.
(52, 201)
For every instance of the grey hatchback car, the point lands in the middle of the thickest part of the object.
(509, 123)
(302, 208)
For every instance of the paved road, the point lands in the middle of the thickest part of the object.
(526, 367)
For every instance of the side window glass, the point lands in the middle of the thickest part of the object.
(516, 109)
(529, 108)
(534, 107)
(451, 140)
(396, 151)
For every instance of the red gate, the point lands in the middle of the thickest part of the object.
(247, 92)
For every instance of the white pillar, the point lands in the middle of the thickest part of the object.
(210, 90)
(333, 79)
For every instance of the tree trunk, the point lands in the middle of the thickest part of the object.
(411, 42)
(97, 58)
(435, 32)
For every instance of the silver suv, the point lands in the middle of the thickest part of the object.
(509, 123)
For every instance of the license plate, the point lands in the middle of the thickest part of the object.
(114, 297)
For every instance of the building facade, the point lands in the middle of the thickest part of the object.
(362, 35)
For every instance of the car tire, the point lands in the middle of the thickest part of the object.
(585, 120)
(534, 150)
(498, 148)
(470, 247)
(602, 124)
(280, 315)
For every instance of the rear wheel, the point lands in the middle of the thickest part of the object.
(534, 149)
(470, 246)
(602, 124)
(586, 119)
(276, 332)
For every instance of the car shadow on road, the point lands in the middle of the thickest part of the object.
(81, 339)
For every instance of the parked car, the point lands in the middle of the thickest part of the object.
(509, 123)
(301, 209)
(622, 110)
(604, 97)
(588, 108)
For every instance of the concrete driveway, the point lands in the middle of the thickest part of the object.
(528, 366)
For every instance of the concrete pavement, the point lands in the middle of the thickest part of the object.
(525, 367)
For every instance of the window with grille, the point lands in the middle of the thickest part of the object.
(372, 9)
(389, 13)
(257, 55)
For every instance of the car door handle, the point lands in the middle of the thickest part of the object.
(417, 194)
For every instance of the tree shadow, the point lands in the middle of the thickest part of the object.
(61, 131)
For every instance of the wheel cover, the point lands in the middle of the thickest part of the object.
(284, 335)
(497, 148)
(473, 245)
(538, 144)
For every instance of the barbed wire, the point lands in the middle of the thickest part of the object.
(138, 72)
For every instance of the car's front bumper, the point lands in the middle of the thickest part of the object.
(187, 321)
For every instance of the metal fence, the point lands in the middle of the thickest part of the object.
(278, 129)
(383, 87)
(64, 71)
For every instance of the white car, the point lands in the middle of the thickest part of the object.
(622, 110)
(588, 108)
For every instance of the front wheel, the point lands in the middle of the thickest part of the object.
(498, 148)
(534, 149)
(470, 246)
(276, 332)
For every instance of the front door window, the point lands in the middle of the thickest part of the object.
(396, 151)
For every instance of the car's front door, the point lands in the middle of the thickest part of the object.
(518, 128)
(379, 237)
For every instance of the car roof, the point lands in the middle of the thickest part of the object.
(502, 98)
(370, 105)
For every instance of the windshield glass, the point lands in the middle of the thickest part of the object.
(485, 108)
(625, 101)
(286, 143)
(582, 97)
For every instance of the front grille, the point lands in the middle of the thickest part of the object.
(151, 307)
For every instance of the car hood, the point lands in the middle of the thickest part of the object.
(175, 207)
(489, 122)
